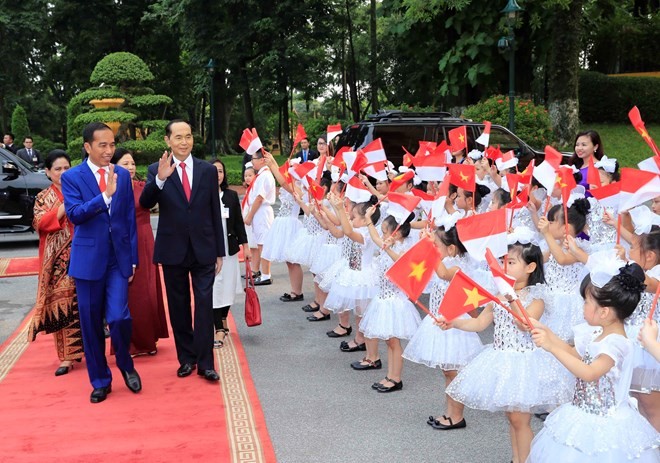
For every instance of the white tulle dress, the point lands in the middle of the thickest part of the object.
(564, 306)
(305, 243)
(600, 424)
(390, 314)
(646, 369)
(354, 284)
(285, 225)
(512, 374)
(450, 349)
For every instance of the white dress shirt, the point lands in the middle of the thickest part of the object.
(189, 170)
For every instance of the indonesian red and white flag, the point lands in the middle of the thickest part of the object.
(377, 170)
(651, 164)
(637, 122)
(438, 209)
(458, 138)
(401, 205)
(482, 231)
(503, 282)
(374, 152)
(430, 168)
(484, 138)
(333, 131)
(546, 172)
(637, 187)
(444, 150)
(507, 161)
(426, 200)
(356, 191)
(250, 141)
(608, 195)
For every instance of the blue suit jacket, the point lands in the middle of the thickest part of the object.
(93, 221)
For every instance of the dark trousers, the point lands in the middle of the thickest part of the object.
(194, 344)
(107, 297)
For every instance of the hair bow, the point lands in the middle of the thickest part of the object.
(417, 180)
(576, 193)
(475, 154)
(249, 164)
(334, 173)
(448, 221)
(643, 219)
(522, 235)
(607, 164)
(603, 266)
(403, 169)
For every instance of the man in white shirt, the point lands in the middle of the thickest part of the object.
(261, 197)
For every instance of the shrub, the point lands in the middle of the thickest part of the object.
(122, 69)
(44, 145)
(606, 98)
(532, 121)
(145, 151)
(19, 125)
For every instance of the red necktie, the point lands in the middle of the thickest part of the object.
(184, 180)
(102, 180)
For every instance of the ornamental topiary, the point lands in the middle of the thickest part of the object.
(19, 125)
(121, 69)
(532, 121)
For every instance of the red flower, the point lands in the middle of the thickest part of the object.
(500, 101)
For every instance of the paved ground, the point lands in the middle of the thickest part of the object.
(317, 408)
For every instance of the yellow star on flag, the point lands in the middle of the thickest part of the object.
(473, 297)
(463, 177)
(418, 270)
(461, 138)
(644, 133)
(559, 182)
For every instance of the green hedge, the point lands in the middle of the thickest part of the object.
(606, 98)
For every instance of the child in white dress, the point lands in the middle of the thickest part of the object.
(513, 375)
(600, 424)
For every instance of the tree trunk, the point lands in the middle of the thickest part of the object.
(374, 58)
(224, 101)
(352, 72)
(563, 69)
(344, 90)
(247, 97)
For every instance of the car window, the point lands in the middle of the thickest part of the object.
(396, 136)
(22, 164)
(354, 137)
(504, 139)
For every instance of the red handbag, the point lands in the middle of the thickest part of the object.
(252, 305)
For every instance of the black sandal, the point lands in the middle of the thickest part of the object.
(370, 365)
(345, 347)
(334, 334)
(444, 427)
(397, 386)
(379, 384)
(432, 420)
(286, 297)
(311, 308)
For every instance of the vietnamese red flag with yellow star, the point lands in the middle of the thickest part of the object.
(566, 181)
(316, 190)
(300, 135)
(407, 157)
(637, 122)
(463, 176)
(458, 138)
(593, 177)
(463, 295)
(413, 270)
(284, 171)
(401, 179)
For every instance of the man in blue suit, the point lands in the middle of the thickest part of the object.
(98, 198)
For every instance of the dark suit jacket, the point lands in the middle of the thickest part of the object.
(12, 148)
(23, 154)
(92, 237)
(236, 234)
(310, 156)
(197, 222)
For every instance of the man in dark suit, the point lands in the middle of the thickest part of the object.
(189, 244)
(29, 154)
(305, 153)
(98, 198)
(8, 142)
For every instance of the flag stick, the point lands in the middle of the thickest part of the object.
(423, 307)
(655, 302)
(524, 314)
(547, 205)
(618, 231)
(565, 217)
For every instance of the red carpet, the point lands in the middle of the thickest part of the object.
(172, 420)
(19, 266)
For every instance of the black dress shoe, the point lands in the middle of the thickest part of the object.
(63, 370)
(262, 281)
(334, 334)
(432, 420)
(286, 297)
(99, 394)
(398, 385)
(132, 380)
(345, 347)
(254, 275)
(185, 370)
(310, 307)
(210, 375)
(379, 384)
(445, 427)
(367, 365)
(312, 318)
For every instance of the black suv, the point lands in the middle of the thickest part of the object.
(398, 128)
(20, 183)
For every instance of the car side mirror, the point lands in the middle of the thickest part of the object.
(10, 168)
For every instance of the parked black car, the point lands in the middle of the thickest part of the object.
(397, 128)
(20, 183)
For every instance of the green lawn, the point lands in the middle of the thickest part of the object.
(621, 141)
